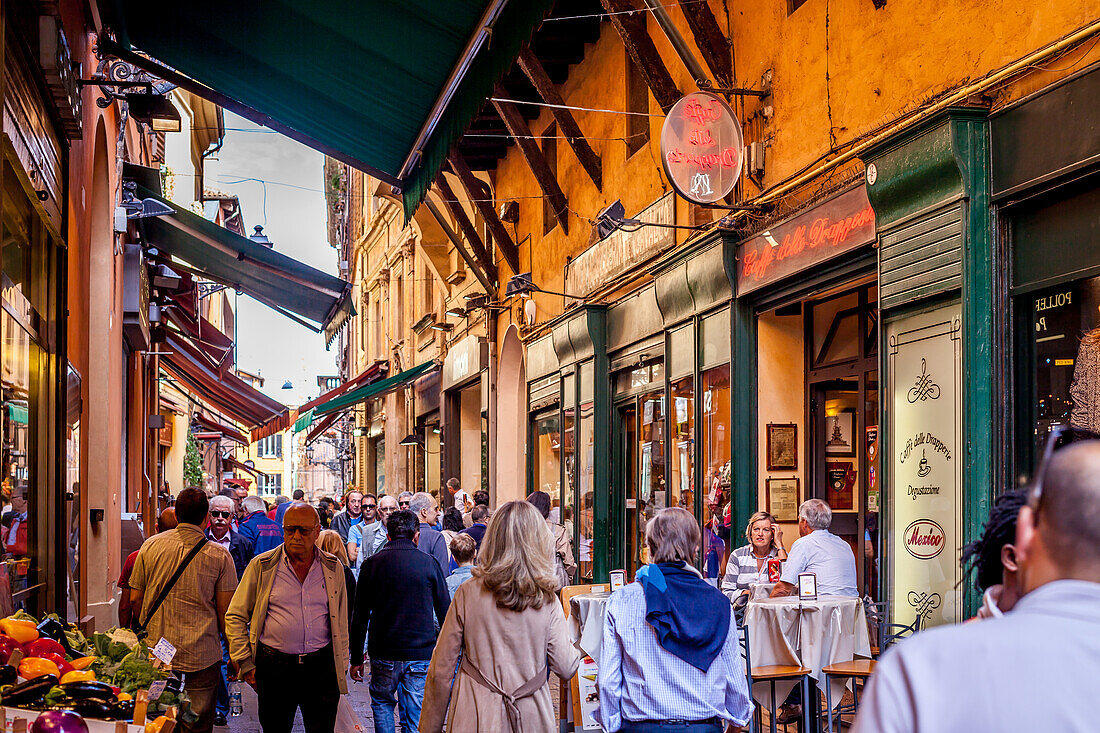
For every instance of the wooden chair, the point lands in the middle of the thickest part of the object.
(773, 673)
(858, 670)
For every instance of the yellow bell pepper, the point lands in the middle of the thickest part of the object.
(18, 629)
(154, 726)
(124, 696)
(32, 667)
(82, 662)
(78, 675)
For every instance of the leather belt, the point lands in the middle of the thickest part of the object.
(285, 658)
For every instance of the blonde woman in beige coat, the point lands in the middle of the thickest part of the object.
(507, 626)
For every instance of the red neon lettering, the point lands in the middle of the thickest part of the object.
(700, 136)
(727, 158)
(822, 231)
(700, 114)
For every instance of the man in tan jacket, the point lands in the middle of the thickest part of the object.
(287, 628)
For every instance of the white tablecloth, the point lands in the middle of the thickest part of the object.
(812, 634)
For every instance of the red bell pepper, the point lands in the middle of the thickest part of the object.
(42, 646)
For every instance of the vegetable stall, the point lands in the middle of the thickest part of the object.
(54, 678)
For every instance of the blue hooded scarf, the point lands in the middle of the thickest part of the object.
(691, 617)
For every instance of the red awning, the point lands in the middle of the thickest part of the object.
(238, 466)
(322, 426)
(375, 371)
(227, 392)
(214, 345)
(213, 426)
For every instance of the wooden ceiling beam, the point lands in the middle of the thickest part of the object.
(535, 159)
(496, 227)
(566, 122)
(469, 231)
(712, 42)
(632, 29)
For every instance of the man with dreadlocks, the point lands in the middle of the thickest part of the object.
(992, 557)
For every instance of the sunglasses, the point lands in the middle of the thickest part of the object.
(402, 503)
(224, 515)
(369, 506)
(387, 510)
(1060, 436)
(298, 530)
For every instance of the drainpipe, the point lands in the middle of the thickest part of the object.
(678, 43)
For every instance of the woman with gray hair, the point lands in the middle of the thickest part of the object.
(505, 631)
(670, 659)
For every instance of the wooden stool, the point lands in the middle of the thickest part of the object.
(859, 669)
(772, 673)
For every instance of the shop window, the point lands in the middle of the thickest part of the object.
(547, 459)
(72, 487)
(682, 469)
(585, 496)
(19, 418)
(1059, 363)
(714, 410)
(836, 329)
(379, 467)
(637, 102)
(651, 491)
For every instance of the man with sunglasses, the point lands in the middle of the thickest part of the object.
(1035, 667)
(287, 627)
(368, 537)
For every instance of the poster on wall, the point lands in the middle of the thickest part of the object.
(924, 365)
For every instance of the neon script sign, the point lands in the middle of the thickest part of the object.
(702, 148)
(838, 225)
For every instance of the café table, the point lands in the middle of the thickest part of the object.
(810, 633)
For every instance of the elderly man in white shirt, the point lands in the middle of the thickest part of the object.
(1035, 668)
(821, 552)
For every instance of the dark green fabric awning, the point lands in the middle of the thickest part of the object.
(269, 276)
(355, 79)
(367, 391)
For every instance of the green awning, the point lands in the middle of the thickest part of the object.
(304, 421)
(373, 390)
(355, 79)
(18, 414)
(269, 276)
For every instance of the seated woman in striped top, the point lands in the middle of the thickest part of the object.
(749, 564)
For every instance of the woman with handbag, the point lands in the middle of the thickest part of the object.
(505, 629)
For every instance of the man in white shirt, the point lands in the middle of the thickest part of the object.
(1035, 667)
(821, 552)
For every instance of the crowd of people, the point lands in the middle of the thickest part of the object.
(455, 616)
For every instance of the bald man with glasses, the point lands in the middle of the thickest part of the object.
(287, 627)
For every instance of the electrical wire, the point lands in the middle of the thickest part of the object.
(621, 12)
(576, 109)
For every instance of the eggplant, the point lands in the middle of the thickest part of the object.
(89, 690)
(122, 710)
(8, 675)
(87, 708)
(51, 628)
(26, 693)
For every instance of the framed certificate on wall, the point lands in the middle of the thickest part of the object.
(782, 498)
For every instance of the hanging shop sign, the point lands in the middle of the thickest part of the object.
(135, 298)
(702, 148)
(832, 228)
(466, 359)
(924, 364)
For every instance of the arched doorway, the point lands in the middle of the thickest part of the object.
(511, 422)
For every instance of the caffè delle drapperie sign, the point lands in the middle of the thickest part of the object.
(702, 148)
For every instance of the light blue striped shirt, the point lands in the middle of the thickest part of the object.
(639, 680)
(830, 558)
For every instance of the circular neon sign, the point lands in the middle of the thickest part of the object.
(702, 147)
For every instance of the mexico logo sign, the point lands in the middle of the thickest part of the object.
(924, 539)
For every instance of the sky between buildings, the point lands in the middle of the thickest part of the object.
(288, 202)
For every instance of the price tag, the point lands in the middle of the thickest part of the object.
(156, 689)
(164, 651)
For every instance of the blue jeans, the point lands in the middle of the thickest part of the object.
(221, 696)
(401, 684)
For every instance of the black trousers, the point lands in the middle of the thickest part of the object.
(286, 682)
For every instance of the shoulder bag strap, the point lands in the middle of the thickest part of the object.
(140, 629)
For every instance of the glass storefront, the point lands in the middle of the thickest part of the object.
(717, 477)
